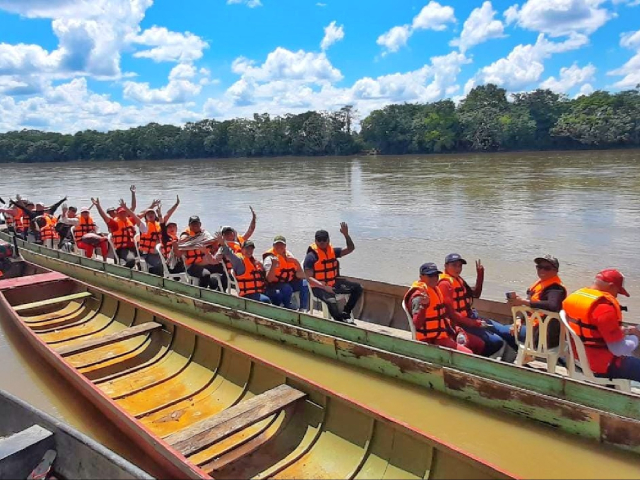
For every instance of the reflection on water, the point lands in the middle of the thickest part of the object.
(402, 211)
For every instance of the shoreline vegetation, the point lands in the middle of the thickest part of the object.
(487, 120)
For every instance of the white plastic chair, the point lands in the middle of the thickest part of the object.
(232, 283)
(412, 327)
(142, 263)
(180, 277)
(582, 362)
(323, 309)
(541, 350)
(116, 259)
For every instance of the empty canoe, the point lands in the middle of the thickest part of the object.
(202, 408)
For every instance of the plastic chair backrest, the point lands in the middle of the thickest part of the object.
(163, 261)
(541, 349)
(231, 279)
(412, 327)
(575, 346)
(116, 259)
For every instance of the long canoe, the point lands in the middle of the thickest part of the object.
(203, 408)
(604, 415)
(30, 438)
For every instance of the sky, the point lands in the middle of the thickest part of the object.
(69, 65)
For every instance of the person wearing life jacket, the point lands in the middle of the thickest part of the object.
(123, 231)
(31, 212)
(284, 275)
(595, 315)
(85, 231)
(458, 297)
(546, 293)
(234, 240)
(169, 235)
(252, 283)
(426, 305)
(322, 269)
(148, 241)
(48, 234)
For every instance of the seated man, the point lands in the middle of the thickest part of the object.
(425, 302)
(596, 316)
(458, 298)
(123, 232)
(284, 275)
(252, 283)
(323, 272)
(546, 293)
(85, 232)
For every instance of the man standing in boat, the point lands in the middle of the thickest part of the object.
(322, 268)
(426, 304)
(596, 316)
(458, 297)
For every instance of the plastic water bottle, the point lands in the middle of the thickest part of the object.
(461, 338)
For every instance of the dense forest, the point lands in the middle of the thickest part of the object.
(486, 120)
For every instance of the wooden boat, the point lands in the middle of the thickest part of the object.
(201, 407)
(549, 399)
(30, 438)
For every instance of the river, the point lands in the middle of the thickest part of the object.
(505, 209)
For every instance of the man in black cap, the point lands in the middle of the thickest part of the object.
(458, 296)
(323, 272)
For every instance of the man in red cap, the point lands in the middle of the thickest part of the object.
(596, 316)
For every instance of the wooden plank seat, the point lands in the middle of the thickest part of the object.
(40, 278)
(104, 340)
(234, 419)
(51, 301)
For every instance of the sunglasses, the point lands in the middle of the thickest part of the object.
(546, 268)
(322, 240)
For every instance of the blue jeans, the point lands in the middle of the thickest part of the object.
(504, 331)
(623, 367)
(492, 341)
(281, 293)
(260, 297)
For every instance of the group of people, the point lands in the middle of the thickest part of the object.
(210, 259)
(440, 305)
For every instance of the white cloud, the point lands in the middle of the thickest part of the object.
(585, 89)
(319, 4)
(182, 71)
(525, 63)
(479, 27)
(559, 17)
(332, 34)
(23, 59)
(169, 46)
(630, 71)
(176, 91)
(395, 38)
(628, 40)
(569, 78)
(283, 64)
(432, 17)
(248, 3)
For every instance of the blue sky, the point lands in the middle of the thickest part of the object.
(67, 65)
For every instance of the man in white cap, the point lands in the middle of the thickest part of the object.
(284, 275)
(596, 316)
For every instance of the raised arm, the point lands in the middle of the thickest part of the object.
(344, 230)
(105, 217)
(134, 204)
(477, 288)
(252, 225)
(133, 216)
(52, 209)
(171, 210)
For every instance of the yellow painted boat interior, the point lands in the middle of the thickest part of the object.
(192, 391)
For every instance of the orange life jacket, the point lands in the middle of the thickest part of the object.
(192, 256)
(167, 247)
(48, 232)
(8, 219)
(150, 239)
(253, 279)
(436, 324)
(123, 237)
(326, 267)
(286, 271)
(536, 291)
(579, 308)
(462, 294)
(235, 248)
(22, 222)
(84, 226)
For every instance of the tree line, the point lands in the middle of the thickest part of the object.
(486, 120)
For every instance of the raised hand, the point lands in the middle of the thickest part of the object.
(123, 203)
(132, 188)
(95, 201)
(479, 266)
(344, 228)
(177, 200)
(253, 213)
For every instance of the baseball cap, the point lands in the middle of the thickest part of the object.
(613, 276)
(550, 259)
(429, 269)
(111, 209)
(82, 210)
(227, 229)
(40, 205)
(121, 210)
(194, 219)
(279, 239)
(454, 257)
(248, 243)
(322, 235)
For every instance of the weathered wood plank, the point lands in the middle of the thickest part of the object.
(51, 301)
(38, 278)
(234, 419)
(109, 339)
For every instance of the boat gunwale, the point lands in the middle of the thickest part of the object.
(380, 416)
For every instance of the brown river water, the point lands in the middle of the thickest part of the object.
(505, 209)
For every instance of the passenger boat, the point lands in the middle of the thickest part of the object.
(33, 442)
(601, 414)
(203, 408)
